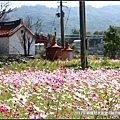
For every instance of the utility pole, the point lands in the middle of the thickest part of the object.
(82, 33)
(62, 24)
(55, 31)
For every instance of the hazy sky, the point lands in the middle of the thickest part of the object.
(56, 3)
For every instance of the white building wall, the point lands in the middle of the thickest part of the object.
(15, 46)
(4, 45)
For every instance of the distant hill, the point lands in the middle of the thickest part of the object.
(97, 19)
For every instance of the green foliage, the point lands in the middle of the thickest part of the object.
(59, 41)
(105, 62)
(50, 66)
(75, 35)
(41, 54)
(74, 31)
(88, 33)
(112, 42)
(98, 33)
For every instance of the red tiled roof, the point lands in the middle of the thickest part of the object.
(6, 27)
(42, 41)
(5, 30)
(9, 30)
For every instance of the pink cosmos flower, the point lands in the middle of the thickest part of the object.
(1, 92)
(30, 109)
(118, 91)
(67, 115)
(36, 84)
(27, 105)
(34, 90)
(58, 115)
(93, 95)
(7, 90)
(105, 93)
(118, 106)
(35, 116)
(6, 114)
(4, 108)
(15, 115)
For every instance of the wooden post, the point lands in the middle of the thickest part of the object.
(82, 33)
(62, 24)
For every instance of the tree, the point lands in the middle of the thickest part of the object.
(88, 33)
(36, 26)
(74, 31)
(4, 10)
(26, 41)
(98, 33)
(73, 36)
(112, 42)
(28, 22)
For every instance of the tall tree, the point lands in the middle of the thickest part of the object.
(36, 26)
(112, 42)
(26, 40)
(4, 10)
(28, 22)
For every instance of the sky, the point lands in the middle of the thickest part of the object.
(55, 3)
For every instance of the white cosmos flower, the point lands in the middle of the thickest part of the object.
(115, 82)
(63, 96)
(22, 98)
(50, 89)
(41, 103)
(9, 100)
(14, 99)
(39, 90)
(52, 113)
(77, 94)
(12, 87)
(1, 86)
(38, 109)
(43, 115)
(77, 98)
(69, 96)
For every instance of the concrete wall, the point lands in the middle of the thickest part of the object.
(4, 45)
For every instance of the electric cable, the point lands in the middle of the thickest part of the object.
(67, 18)
(54, 18)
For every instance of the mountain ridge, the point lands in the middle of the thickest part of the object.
(97, 19)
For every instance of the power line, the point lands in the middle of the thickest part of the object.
(67, 17)
(54, 18)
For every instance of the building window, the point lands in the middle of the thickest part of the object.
(22, 31)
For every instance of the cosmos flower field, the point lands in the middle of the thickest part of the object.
(61, 93)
